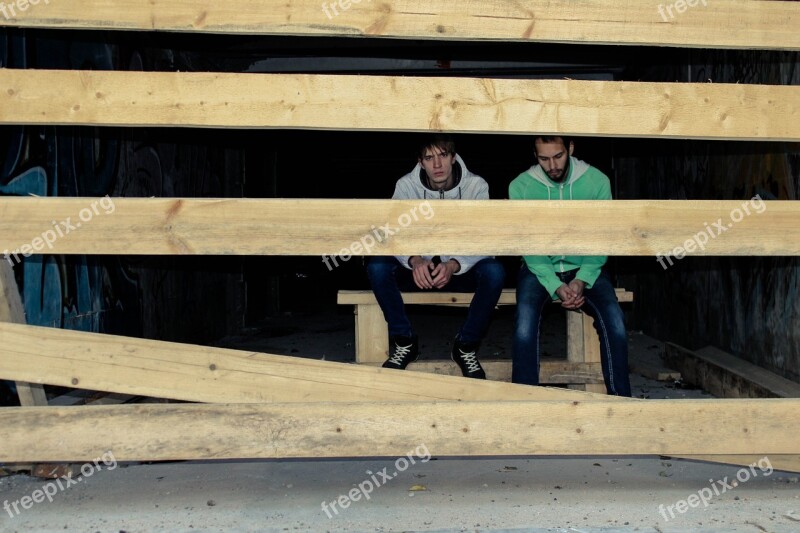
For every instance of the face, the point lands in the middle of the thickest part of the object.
(554, 158)
(439, 166)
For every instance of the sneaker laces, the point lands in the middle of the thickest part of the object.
(470, 360)
(400, 353)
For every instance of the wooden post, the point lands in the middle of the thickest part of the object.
(372, 334)
(11, 310)
(575, 342)
(591, 350)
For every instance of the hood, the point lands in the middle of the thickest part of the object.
(467, 185)
(459, 171)
(577, 169)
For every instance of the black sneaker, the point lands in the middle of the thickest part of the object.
(402, 352)
(464, 356)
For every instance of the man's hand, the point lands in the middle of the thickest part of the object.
(443, 272)
(429, 276)
(569, 299)
(577, 287)
(421, 271)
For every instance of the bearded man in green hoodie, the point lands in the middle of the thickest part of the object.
(578, 281)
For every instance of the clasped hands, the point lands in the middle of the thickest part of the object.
(429, 276)
(571, 294)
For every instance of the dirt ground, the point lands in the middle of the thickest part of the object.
(570, 494)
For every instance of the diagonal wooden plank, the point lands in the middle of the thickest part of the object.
(185, 226)
(715, 24)
(181, 431)
(202, 374)
(381, 103)
(197, 373)
(12, 310)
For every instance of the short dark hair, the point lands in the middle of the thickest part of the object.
(552, 139)
(441, 141)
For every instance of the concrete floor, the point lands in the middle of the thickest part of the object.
(437, 494)
(551, 494)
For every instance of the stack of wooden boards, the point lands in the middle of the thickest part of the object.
(261, 405)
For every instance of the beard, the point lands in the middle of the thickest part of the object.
(560, 176)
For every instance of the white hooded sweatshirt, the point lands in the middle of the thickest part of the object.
(468, 186)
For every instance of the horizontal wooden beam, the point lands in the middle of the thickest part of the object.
(180, 431)
(717, 24)
(507, 297)
(149, 226)
(385, 103)
(197, 373)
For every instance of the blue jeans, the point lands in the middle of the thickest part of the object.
(389, 278)
(600, 303)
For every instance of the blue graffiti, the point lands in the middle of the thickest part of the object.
(58, 291)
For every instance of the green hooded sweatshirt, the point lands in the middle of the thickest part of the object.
(584, 182)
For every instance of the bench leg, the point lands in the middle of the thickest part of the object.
(575, 352)
(583, 346)
(591, 350)
(31, 394)
(372, 334)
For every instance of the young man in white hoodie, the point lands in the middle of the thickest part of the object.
(578, 281)
(439, 174)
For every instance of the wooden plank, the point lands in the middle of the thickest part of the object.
(727, 376)
(202, 374)
(372, 334)
(218, 431)
(591, 351)
(12, 310)
(168, 226)
(184, 372)
(575, 342)
(550, 371)
(763, 24)
(382, 103)
(759, 378)
(507, 297)
(583, 347)
(31, 394)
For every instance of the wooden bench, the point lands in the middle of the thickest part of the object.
(581, 369)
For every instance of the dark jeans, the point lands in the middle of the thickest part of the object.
(389, 278)
(600, 303)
